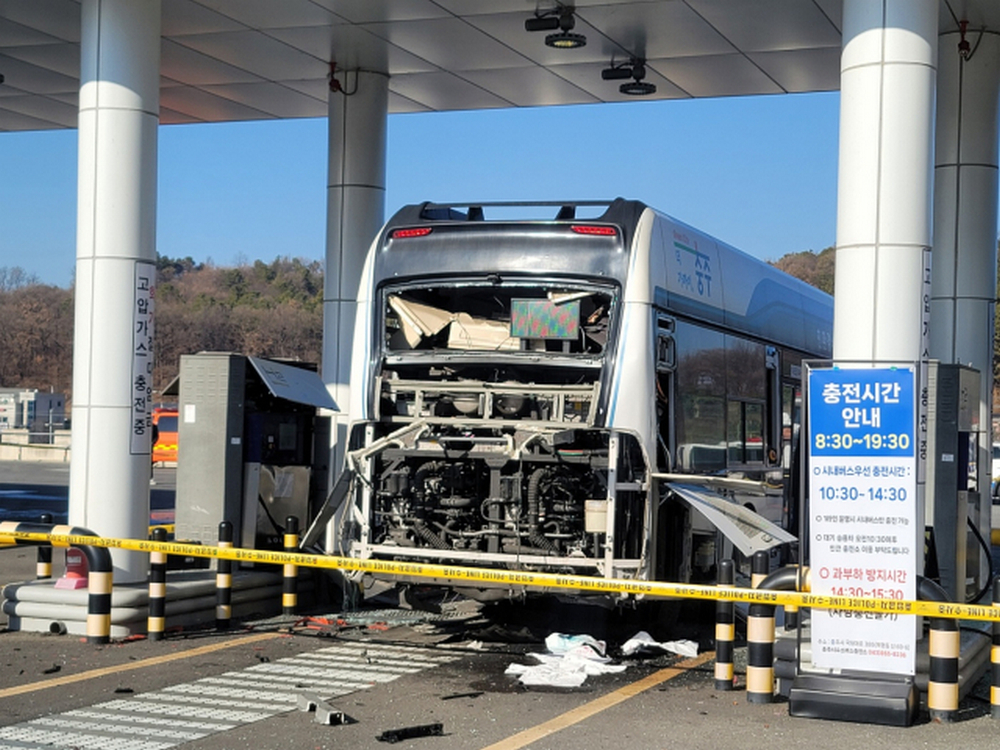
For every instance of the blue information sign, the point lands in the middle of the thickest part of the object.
(861, 412)
(864, 535)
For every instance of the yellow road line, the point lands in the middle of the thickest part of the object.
(152, 662)
(578, 714)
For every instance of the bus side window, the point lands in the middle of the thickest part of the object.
(747, 376)
(699, 399)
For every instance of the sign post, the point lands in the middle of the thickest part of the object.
(863, 523)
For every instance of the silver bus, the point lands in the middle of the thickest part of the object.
(586, 390)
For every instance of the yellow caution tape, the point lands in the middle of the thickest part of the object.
(525, 579)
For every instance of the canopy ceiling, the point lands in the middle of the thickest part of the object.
(225, 60)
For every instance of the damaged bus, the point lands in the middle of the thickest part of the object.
(612, 396)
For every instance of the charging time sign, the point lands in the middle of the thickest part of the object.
(862, 513)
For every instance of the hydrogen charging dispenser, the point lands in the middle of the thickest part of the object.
(252, 447)
(956, 517)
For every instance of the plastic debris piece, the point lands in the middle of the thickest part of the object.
(571, 660)
(307, 701)
(406, 733)
(325, 713)
(576, 663)
(583, 645)
(453, 696)
(547, 675)
(643, 642)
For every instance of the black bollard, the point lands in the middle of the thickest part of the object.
(156, 621)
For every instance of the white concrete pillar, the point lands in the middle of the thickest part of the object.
(965, 220)
(888, 76)
(355, 213)
(115, 266)
(965, 204)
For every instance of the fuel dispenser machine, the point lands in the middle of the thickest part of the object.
(957, 510)
(252, 447)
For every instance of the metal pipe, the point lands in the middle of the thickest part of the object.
(786, 579)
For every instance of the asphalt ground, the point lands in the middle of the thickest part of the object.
(660, 702)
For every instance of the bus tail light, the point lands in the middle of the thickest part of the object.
(603, 231)
(402, 234)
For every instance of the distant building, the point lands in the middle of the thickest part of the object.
(23, 408)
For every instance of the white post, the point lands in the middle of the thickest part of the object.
(882, 286)
(116, 255)
(355, 213)
(888, 75)
(965, 222)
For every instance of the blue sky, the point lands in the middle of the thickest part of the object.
(757, 172)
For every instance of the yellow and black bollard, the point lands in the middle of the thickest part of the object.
(760, 639)
(942, 678)
(224, 580)
(43, 566)
(725, 630)
(289, 584)
(156, 621)
(995, 658)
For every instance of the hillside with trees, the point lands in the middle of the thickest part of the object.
(818, 269)
(36, 333)
(262, 309)
(812, 268)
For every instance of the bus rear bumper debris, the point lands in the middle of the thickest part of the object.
(324, 712)
(407, 733)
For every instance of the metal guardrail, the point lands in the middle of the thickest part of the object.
(100, 567)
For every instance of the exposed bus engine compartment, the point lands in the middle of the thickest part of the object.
(484, 444)
(567, 499)
(547, 498)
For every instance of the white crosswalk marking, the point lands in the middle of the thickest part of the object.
(190, 711)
